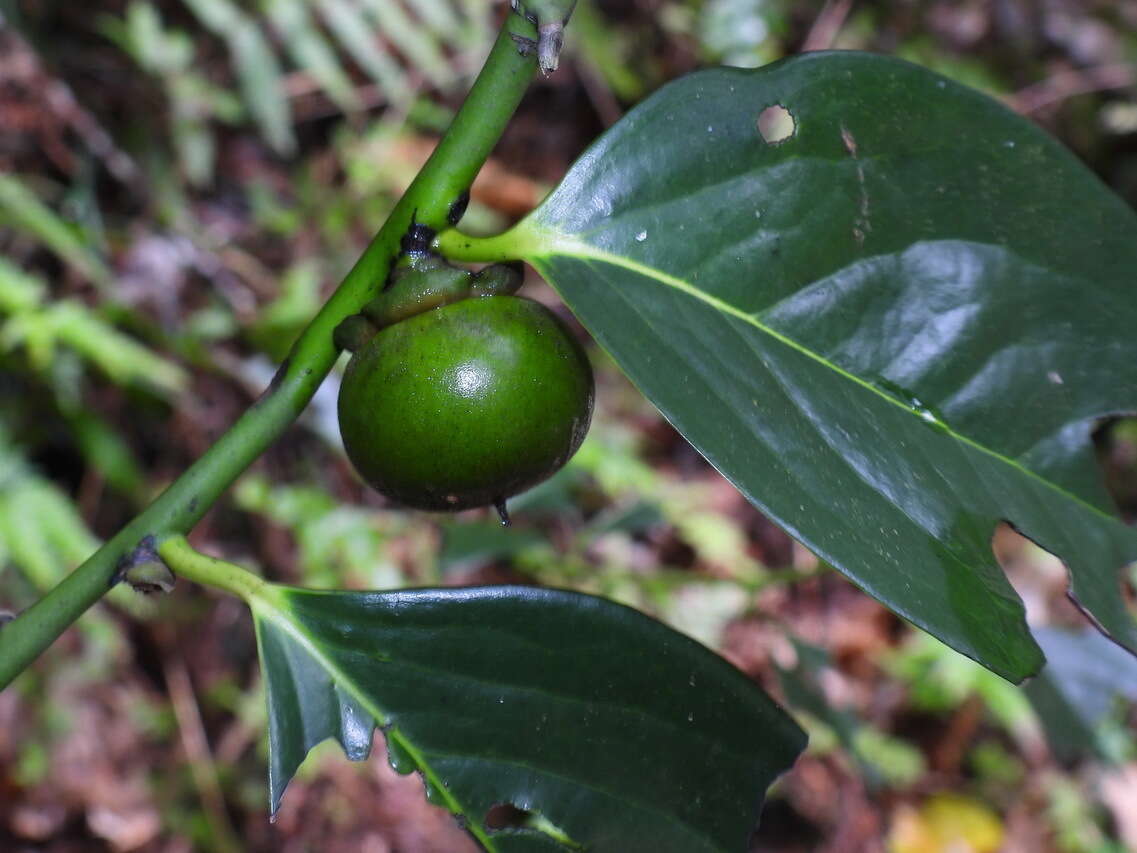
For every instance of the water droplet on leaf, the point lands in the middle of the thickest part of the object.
(925, 412)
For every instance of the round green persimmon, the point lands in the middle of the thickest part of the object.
(467, 404)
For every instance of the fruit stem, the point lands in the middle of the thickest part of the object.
(447, 174)
(502, 511)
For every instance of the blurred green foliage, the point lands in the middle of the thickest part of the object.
(40, 530)
(400, 50)
(939, 679)
(38, 326)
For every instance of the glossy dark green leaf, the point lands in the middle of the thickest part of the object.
(622, 733)
(891, 331)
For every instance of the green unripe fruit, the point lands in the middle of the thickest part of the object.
(466, 404)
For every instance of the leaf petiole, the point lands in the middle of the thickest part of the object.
(187, 562)
(518, 242)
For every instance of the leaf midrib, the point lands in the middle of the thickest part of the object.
(537, 242)
(825, 554)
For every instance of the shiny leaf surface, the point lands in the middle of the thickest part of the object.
(621, 733)
(891, 330)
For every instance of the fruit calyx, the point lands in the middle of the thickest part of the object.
(422, 281)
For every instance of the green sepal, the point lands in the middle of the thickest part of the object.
(423, 281)
(353, 333)
(420, 282)
(498, 280)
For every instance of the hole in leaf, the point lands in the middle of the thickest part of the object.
(507, 816)
(776, 124)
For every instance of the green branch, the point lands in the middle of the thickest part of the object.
(443, 180)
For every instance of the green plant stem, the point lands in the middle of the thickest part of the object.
(448, 173)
